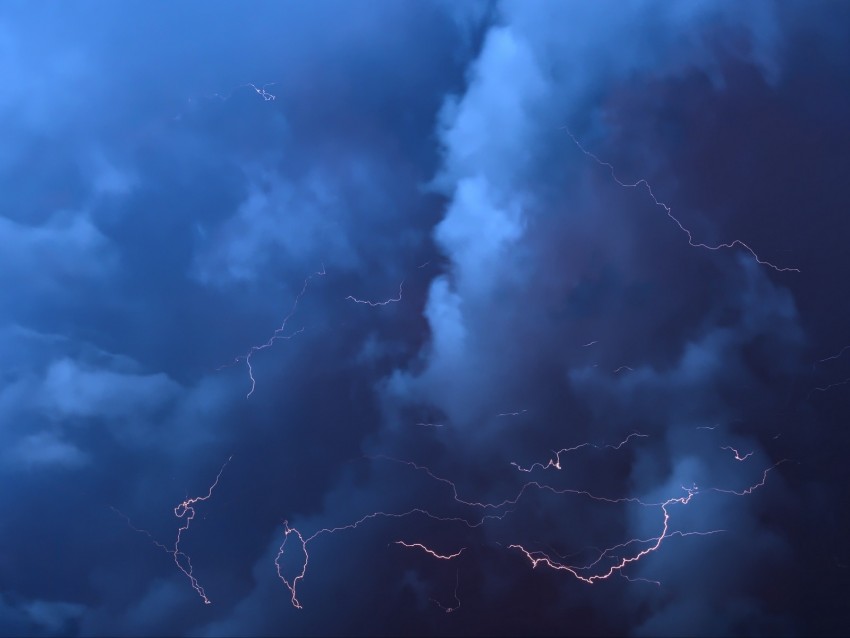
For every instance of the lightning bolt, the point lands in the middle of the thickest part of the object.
(512, 413)
(186, 512)
(556, 462)
(538, 558)
(837, 355)
(261, 91)
(292, 585)
(830, 386)
(737, 454)
(277, 334)
(430, 551)
(374, 304)
(836, 384)
(668, 210)
(456, 606)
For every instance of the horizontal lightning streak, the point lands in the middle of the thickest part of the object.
(556, 462)
(640, 580)
(512, 413)
(830, 386)
(430, 551)
(374, 304)
(292, 586)
(536, 558)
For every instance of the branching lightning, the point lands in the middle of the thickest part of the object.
(292, 585)
(538, 558)
(610, 561)
(261, 91)
(456, 606)
(606, 564)
(185, 511)
(278, 333)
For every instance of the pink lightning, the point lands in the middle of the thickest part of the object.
(737, 454)
(541, 558)
(752, 488)
(288, 531)
(379, 303)
(667, 209)
(520, 493)
(556, 462)
(537, 558)
(185, 511)
(278, 333)
(430, 551)
(456, 606)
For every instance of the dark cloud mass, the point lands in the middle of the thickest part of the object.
(521, 318)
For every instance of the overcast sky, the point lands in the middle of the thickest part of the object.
(443, 318)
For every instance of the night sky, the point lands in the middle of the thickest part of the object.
(424, 318)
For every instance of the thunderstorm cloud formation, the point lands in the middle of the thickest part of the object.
(424, 318)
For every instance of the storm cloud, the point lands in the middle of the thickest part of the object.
(554, 290)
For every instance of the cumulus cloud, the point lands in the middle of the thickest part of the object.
(73, 390)
(45, 449)
(63, 250)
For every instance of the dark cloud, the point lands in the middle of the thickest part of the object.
(546, 367)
